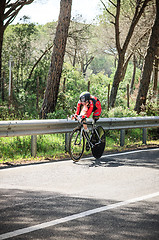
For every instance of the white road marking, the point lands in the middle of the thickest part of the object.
(135, 151)
(75, 216)
(124, 153)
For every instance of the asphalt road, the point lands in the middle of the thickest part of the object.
(116, 198)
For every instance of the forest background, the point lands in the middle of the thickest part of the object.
(90, 63)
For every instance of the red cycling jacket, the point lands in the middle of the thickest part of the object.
(94, 106)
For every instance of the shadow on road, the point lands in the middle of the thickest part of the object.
(20, 209)
(149, 159)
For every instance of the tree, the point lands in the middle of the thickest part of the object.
(78, 44)
(122, 47)
(53, 81)
(8, 11)
(39, 59)
(18, 44)
(148, 62)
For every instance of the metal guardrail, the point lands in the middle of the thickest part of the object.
(51, 126)
(35, 127)
(38, 127)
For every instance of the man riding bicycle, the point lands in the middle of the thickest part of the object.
(86, 105)
(95, 139)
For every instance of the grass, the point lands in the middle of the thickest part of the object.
(18, 149)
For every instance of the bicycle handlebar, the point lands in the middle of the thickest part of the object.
(81, 120)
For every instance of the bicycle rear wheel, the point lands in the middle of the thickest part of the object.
(98, 148)
(76, 144)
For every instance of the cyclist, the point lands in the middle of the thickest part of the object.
(86, 105)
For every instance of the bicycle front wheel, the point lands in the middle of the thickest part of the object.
(76, 144)
(99, 146)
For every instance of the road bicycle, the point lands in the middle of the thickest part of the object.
(95, 140)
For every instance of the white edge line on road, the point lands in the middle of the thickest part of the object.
(75, 216)
(123, 153)
(135, 151)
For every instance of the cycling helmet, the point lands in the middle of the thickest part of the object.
(85, 96)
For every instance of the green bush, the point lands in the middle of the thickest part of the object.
(120, 112)
(15, 147)
(150, 109)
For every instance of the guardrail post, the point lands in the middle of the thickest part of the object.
(67, 137)
(144, 135)
(33, 145)
(122, 137)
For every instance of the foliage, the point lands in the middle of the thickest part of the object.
(152, 105)
(75, 84)
(68, 98)
(50, 144)
(24, 103)
(120, 112)
(102, 64)
(20, 147)
(15, 147)
(6, 113)
(17, 43)
(27, 42)
(20, 43)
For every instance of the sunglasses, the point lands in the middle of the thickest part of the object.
(82, 99)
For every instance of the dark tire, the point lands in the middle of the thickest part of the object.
(98, 149)
(76, 144)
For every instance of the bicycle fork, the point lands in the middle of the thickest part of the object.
(76, 142)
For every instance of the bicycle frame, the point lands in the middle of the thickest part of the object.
(95, 140)
(86, 134)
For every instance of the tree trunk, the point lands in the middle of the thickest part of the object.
(39, 59)
(156, 71)
(133, 76)
(1, 42)
(117, 79)
(37, 93)
(3, 81)
(85, 66)
(53, 81)
(2, 9)
(74, 58)
(148, 63)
